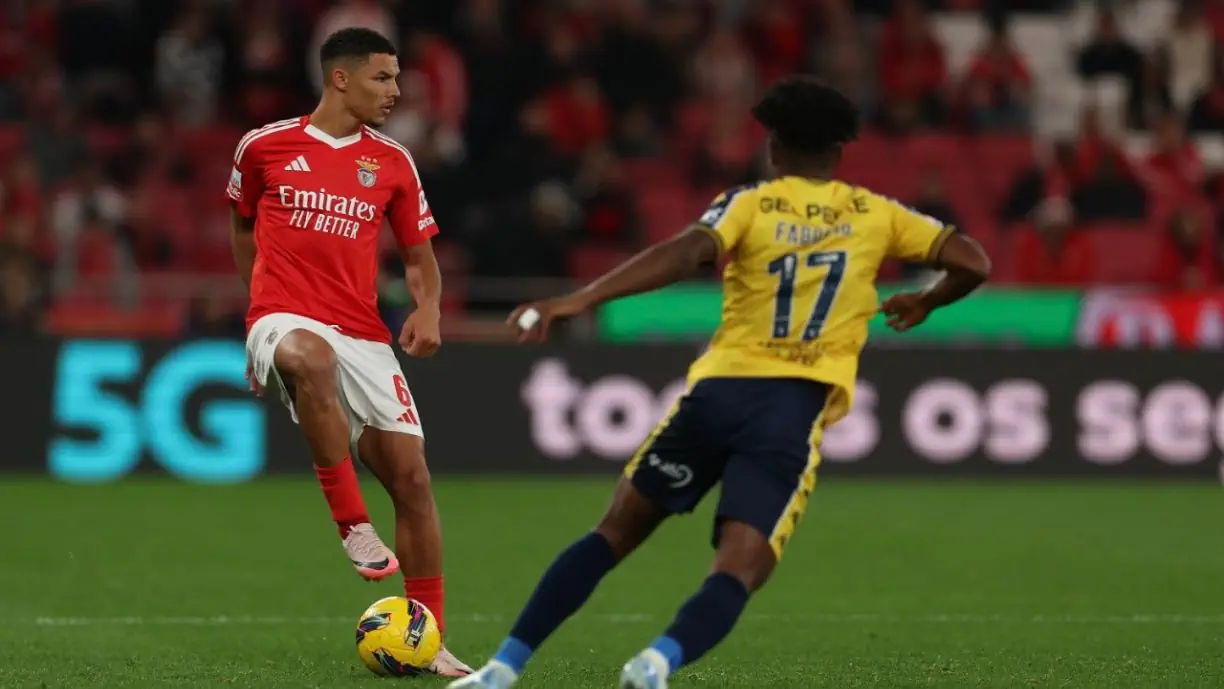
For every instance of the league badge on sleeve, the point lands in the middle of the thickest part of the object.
(234, 188)
(366, 167)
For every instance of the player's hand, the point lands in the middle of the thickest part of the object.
(253, 381)
(547, 311)
(905, 310)
(422, 332)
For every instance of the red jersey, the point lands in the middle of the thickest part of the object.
(319, 203)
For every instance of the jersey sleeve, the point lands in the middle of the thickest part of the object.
(412, 220)
(246, 180)
(916, 237)
(730, 216)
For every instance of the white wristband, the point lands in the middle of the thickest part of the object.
(529, 318)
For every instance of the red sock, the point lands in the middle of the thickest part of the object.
(429, 591)
(343, 495)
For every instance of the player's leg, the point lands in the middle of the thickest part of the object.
(742, 564)
(569, 582)
(297, 352)
(669, 474)
(765, 492)
(573, 576)
(392, 445)
(397, 459)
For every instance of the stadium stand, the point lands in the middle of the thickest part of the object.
(1071, 140)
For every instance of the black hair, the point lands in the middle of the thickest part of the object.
(354, 42)
(807, 116)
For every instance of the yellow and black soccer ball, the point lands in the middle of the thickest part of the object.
(398, 637)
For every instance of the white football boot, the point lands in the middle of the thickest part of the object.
(372, 558)
(495, 675)
(647, 670)
(447, 665)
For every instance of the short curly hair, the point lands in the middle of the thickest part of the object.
(807, 116)
(354, 43)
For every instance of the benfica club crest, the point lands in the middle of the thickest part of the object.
(366, 167)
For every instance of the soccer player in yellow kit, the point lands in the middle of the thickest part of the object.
(803, 253)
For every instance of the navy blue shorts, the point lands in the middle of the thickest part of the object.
(759, 436)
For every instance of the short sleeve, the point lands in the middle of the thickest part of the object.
(246, 181)
(916, 237)
(730, 216)
(412, 220)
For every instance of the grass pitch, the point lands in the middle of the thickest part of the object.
(154, 583)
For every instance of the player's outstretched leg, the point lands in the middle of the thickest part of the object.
(742, 565)
(569, 582)
(306, 364)
(398, 460)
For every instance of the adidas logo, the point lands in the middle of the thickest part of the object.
(298, 165)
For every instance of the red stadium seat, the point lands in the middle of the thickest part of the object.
(652, 172)
(217, 259)
(667, 210)
(97, 254)
(998, 161)
(105, 140)
(979, 224)
(939, 150)
(951, 158)
(882, 166)
(210, 142)
(89, 317)
(175, 217)
(692, 121)
(1124, 253)
(1003, 260)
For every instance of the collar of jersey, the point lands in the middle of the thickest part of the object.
(316, 133)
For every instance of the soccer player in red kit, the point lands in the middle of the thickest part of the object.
(308, 198)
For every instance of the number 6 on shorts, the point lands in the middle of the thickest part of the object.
(405, 398)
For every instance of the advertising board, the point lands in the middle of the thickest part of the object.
(94, 411)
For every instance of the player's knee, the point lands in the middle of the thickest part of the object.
(623, 538)
(629, 521)
(308, 359)
(624, 531)
(744, 553)
(753, 572)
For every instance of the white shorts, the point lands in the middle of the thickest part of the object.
(373, 390)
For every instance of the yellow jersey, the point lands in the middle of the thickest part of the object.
(799, 284)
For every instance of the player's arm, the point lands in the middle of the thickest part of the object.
(243, 192)
(657, 266)
(423, 275)
(242, 243)
(422, 332)
(413, 224)
(661, 264)
(963, 261)
(966, 266)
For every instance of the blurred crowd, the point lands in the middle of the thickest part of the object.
(554, 137)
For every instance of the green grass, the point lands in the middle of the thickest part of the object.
(886, 585)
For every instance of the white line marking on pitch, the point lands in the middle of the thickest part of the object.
(831, 618)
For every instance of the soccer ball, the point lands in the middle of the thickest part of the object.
(398, 637)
